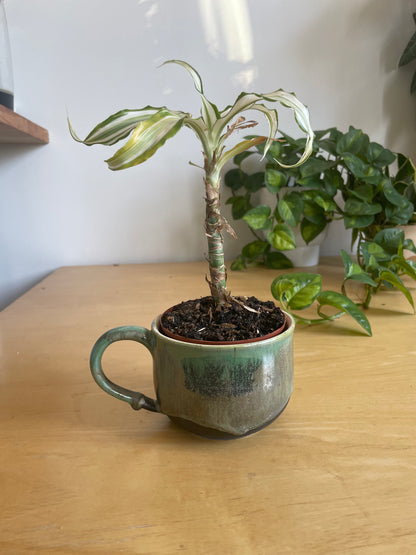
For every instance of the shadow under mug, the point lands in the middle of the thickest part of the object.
(217, 391)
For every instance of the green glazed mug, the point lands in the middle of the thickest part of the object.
(217, 391)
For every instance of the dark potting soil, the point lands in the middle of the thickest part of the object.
(243, 318)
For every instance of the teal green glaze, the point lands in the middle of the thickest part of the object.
(131, 333)
(232, 389)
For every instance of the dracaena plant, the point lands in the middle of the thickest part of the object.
(150, 127)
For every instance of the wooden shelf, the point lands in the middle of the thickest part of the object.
(17, 129)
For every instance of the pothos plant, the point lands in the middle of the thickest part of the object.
(347, 177)
(150, 127)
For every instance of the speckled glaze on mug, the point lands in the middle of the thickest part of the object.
(217, 391)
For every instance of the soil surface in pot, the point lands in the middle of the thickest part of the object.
(243, 318)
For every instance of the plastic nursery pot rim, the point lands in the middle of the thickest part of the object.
(167, 333)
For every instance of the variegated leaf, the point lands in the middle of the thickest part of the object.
(247, 101)
(209, 111)
(148, 136)
(116, 127)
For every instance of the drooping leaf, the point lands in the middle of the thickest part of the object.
(116, 127)
(393, 279)
(147, 137)
(343, 303)
(247, 101)
(209, 111)
(298, 290)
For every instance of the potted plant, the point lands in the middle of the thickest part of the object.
(287, 208)
(352, 177)
(214, 385)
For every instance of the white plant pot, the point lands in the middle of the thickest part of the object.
(303, 255)
(306, 254)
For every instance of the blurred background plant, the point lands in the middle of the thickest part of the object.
(409, 55)
(349, 178)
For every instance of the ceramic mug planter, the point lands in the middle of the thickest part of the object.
(217, 391)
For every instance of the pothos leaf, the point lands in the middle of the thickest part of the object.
(281, 237)
(354, 271)
(393, 279)
(343, 303)
(298, 290)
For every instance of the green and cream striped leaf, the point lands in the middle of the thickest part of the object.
(116, 127)
(273, 118)
(209, 111)
(247, 101)
(148, 136)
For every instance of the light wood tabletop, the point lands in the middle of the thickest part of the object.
(81, 472)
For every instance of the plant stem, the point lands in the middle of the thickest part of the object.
(213, 230)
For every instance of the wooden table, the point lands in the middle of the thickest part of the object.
(80, 472)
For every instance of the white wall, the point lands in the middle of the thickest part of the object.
(62, 206)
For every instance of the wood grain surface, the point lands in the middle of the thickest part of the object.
(80, 472)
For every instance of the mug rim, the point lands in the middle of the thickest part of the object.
(231, 345)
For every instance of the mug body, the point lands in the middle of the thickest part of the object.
(223, 391)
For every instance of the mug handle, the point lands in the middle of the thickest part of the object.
(130, 333)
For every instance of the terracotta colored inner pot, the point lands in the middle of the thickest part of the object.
(168, 333)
